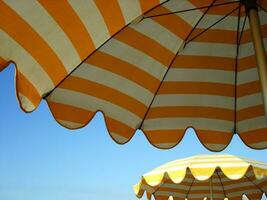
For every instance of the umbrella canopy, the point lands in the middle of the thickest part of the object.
(211, 176)
(159, 66)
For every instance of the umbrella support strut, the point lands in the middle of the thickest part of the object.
(211, 194)
(258, 44)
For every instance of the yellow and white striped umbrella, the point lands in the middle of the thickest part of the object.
(215, 177)
(156, 65)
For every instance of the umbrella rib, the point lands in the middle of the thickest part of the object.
(190, 187)
(212, 25)
(221, 183)
(190, 9)
(254, 183)
(243, 27)
(75, 68)
(265, 10)
(195, 26)
(172, 61)
(236, 63)
(141, 124)
(157, 188)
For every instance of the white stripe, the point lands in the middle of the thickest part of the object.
(69, 124)
(183, 123)
(203, 75)
(135, 57)
(179, 195)
(26, 64)
(249, 101)
(239, 193)
(201, 166)
(251, 124)
(262, 16)
(191, 17)
(159, 34)
(215, 147)
(130, 9)
(227, 24)
(92, 20)
(26, 103)
(119, 138)
(203, 161)
(258, 145)
(163, 145)
(210, 49)
(197, 187)
(247, 76)
(112, 80)
(185, 180)
(38, 18)
(93, 104)
(247, 49)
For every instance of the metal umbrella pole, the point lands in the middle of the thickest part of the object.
(255, 28)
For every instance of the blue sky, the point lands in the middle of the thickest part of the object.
(41, 160)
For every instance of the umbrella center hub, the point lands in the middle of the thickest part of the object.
(250, 4)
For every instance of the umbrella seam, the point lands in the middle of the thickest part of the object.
(48, 93)
(172, 61)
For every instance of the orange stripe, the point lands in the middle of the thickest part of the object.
(242, 188)
(119, 128)
(82, 116)
(224, 9)
(20, 31)
(198, 3)
(248, 89)
(174, 136)
(147, 45)
(245, 63)
(254, 136)
(214, 36)
(197, 88)
(263, 183)
(192, 191)
(164, 136)
(147, 5)
(238, 181)
(204, 62)
(256, 195)
(105, 93)
(217, 10)
(246, 37)
(124, 69)
(3, 64)
(251, 112)
(24, 86)
(194, 112)
(112, 14)
(248, 62)
(71, 24)
(70, 113)
(214, 137)
(173, 23)
(263, 3)
(160, 197)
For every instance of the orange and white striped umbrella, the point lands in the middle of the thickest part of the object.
(156, 65)
(215, 177)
